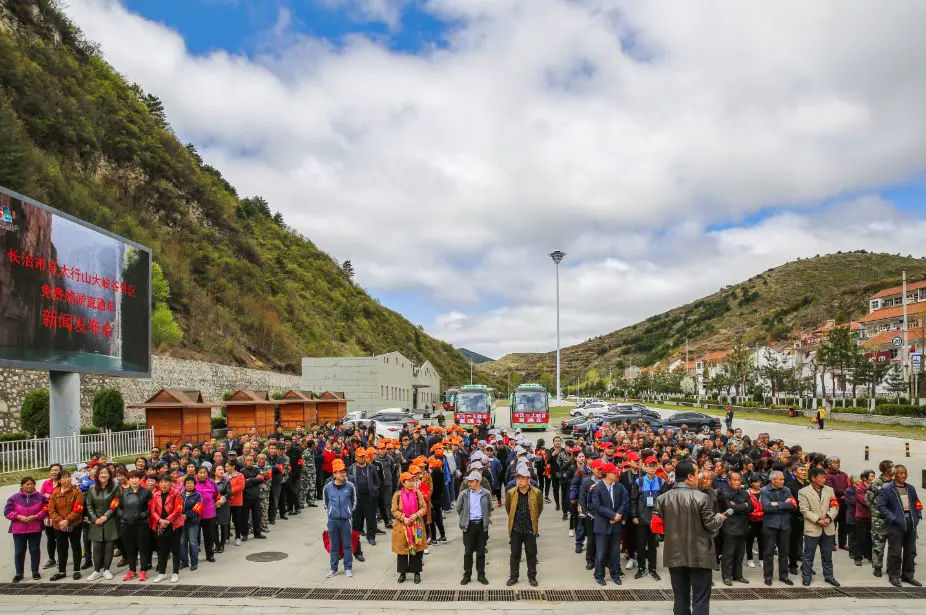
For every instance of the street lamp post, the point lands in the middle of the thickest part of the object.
(557, 257)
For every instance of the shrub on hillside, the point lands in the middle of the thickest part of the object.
(108, 409)
(33, 417)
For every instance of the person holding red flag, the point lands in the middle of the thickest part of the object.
(819, 507)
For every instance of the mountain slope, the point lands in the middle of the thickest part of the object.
(245, 288)
(770, 307)
(474, 357)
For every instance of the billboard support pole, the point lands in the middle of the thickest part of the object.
(63, 416)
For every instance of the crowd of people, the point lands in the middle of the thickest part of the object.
(758, 501)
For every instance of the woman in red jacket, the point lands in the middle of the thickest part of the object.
(755, 519)
(236, 500)
(166, 520)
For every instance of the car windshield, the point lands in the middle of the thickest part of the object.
(472, 402)
(530, 401)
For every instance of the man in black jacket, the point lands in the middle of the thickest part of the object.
(734, 497)
(627, 478)
(643, 496)
(253, 479)
(279, 465)
(291, 490)
(795, 482)
(366, 481)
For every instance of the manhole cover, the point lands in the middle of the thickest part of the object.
(267, 556)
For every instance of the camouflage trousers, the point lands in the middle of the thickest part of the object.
(264, 508)
(878, 542)
(307, 484)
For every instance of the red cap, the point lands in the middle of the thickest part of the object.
(609, 445)
(650, 460)
(597, 434)
(626, 464)
(631, 456)
(596, 463)
(609, 468)
(621, 449)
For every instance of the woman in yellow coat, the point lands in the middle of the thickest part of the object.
(409, 536)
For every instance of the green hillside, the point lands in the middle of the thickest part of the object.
(245, 288)
(768, 308)
(475, 357)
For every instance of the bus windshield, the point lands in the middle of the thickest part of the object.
(472, 402)
(530, 401)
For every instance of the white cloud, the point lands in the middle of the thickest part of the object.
(612, 129)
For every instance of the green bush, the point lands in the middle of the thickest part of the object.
(108, 409)
(851, 410)
(33, 417)
(901, 410)
(219, 422)
(14, 435)
(132, 426)
(87, 431)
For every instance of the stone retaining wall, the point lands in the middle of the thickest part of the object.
(167, 373)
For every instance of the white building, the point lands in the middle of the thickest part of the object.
(381, 381)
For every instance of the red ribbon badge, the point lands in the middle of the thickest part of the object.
(78, 507)
(657, 526)
(300, 462)
(114, 504)
(919, 505)
(791, 501)
(198, 508)
(269, 473)
(834, 503)
(279, 467)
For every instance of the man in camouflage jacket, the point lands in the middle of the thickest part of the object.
(878, 524)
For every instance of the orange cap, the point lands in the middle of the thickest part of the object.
(337, 465)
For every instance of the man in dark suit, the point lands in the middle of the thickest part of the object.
(610, 504)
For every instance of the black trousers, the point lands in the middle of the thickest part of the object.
(409, 563)
(103, 554)
(692, 589)
(772, 538)
(169, 546)
(863, 540)
(277, 503)
(755, 535)
(901, 551)
(591, 549)
(437, 523)
(51, 537)
(222, 532)
(292, 491)
(31, 541)
(529, 543)
(734, 549)
(365, 513)
(842, 529)
(646, 545)
(554, 482)
(208, 528)
(564, 500)
(71, 538)
(796, 542)
(474, 542)
(608, 554)
(240, 520)
(384, 503)
(252, 506)
(136, 545)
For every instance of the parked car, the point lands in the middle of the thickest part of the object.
(589, 408)
(696, 421)
(567, 425)
(394, 415)
(593, 424)
(634, 409)
(355, 415)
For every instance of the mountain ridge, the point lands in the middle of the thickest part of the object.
(245, 288)
(770, 307)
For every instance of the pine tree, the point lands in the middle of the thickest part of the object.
(895, 381)
(348, 268)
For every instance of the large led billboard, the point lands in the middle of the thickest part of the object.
(73, 297)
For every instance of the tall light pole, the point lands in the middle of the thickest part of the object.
(557, 257)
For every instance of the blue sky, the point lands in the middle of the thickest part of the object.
(237, 25)
(691, 154)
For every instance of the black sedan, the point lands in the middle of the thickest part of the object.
(617, 420)
(567, 425)
(635, 409)
(696, 421)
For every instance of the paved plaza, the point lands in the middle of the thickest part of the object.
(304, 561)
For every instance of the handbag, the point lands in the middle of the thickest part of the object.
(354, 542)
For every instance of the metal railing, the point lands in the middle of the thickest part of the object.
(39, 453)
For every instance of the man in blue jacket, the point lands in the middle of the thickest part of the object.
(340, 499)
(902, 511)
(610, 504)
(777, 505)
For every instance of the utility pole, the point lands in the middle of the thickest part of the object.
(557, 257)
(906, 337)
(471, 372)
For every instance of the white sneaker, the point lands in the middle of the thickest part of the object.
(631, 564)
(237, 542)
(331, 573)
(572, 532)
(426, 551)
(107, 575)
(760, 562)
(349, 573)
(94, 576)
(751, 563)
(159, 578)
(174, 578)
